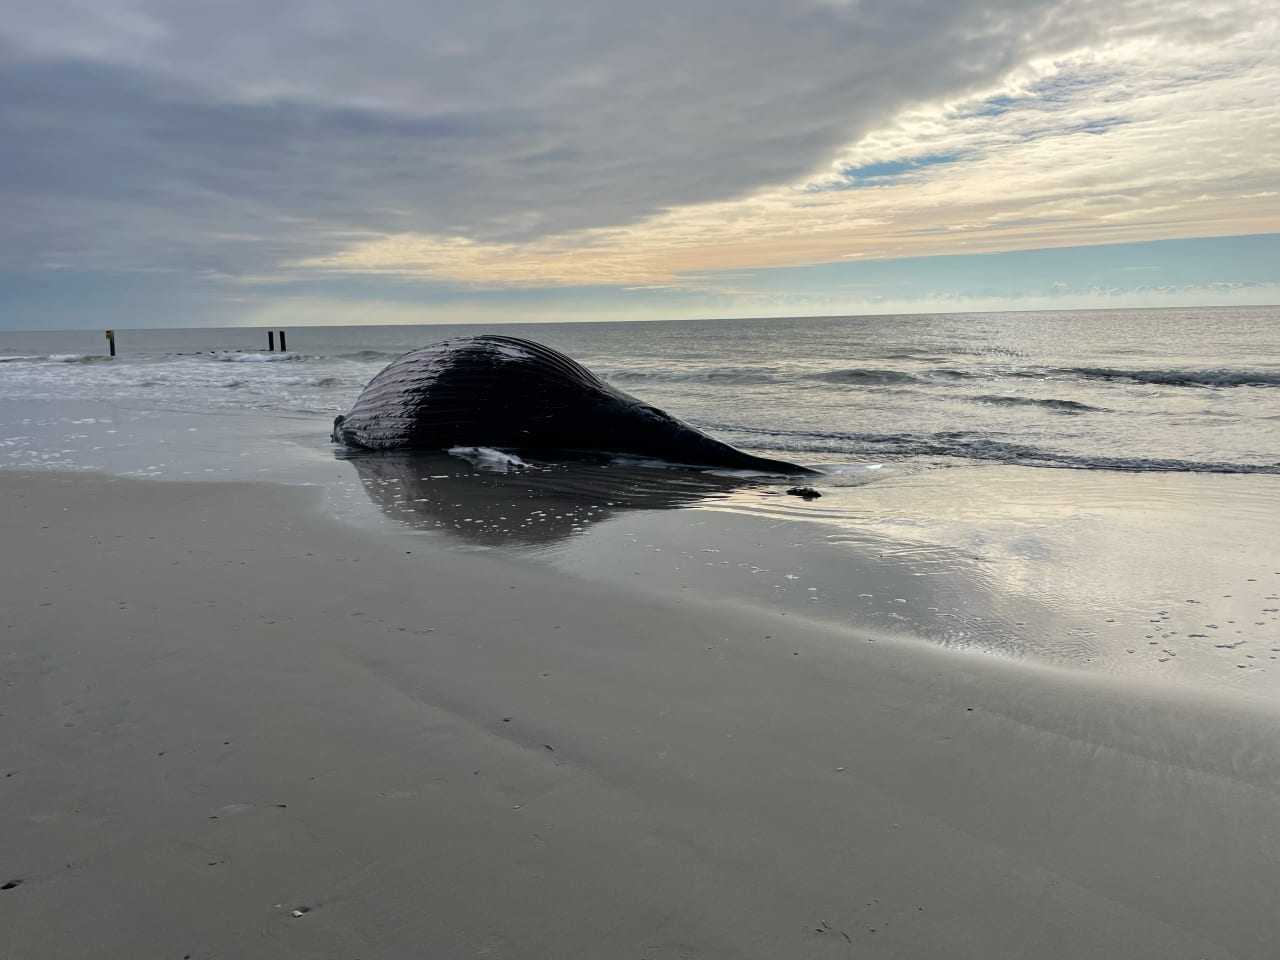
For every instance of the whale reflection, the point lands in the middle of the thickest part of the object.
(489, 501)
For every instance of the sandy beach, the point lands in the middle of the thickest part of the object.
(235, 727)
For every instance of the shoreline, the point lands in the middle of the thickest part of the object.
(222, 706)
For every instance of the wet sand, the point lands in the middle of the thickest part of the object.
(231, 726)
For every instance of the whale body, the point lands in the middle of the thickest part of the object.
(510, 393)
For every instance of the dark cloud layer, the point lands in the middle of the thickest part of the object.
(222, 139)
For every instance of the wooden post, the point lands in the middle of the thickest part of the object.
(271, 340)
(111, 341)
(282, 346)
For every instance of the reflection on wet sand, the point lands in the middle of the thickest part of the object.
(1148, 577)
(534, 504)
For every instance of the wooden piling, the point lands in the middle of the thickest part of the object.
(111, 341)
(271, 341)
(282, 346)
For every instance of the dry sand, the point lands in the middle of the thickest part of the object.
(219, 707)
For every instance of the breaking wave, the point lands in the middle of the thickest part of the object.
(972, 446)
(877, 376)
(868, 376)
(1220, 377)
(1061, 406)
(861, 375)
(79, 358)
(234, 356)
(729, 375)
(58, 358)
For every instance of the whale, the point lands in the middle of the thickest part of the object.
(515, 394)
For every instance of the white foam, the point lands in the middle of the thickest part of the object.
(229, 356)
(848, 469)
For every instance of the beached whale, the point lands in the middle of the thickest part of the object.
(509, 393)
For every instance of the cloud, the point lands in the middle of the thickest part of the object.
(1135, 139)
(619, 143)
(219, 134)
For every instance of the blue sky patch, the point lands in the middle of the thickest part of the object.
(886, 172)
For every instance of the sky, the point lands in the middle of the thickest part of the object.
(171, 163)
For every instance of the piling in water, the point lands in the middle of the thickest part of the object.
(271, 341)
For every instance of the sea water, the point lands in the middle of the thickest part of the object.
(1134, 390)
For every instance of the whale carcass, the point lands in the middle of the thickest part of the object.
(510, 393)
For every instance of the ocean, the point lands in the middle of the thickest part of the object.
(1132, 390)
(1089, 490)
